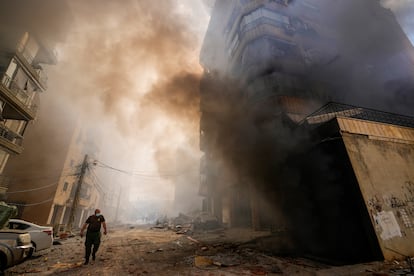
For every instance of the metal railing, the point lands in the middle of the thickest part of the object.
(11, 136)
(27, 61)
(333, 110)
(21, 95)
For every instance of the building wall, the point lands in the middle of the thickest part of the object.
(89, 195)
(29, 33)
(382, 157)
(41, 165)
(314, 50)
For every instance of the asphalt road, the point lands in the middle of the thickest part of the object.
(143, 251)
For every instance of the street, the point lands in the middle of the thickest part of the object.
(131, 250)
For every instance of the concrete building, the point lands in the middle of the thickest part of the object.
(22, 79)
(46, 177)
(25, 46)
(352, 189)
(268, 65)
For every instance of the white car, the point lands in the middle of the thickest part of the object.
(41, 236)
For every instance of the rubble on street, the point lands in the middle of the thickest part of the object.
(146, 250)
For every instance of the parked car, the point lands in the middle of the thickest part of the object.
(41, 236)
(15, 245)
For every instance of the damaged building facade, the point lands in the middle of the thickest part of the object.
(24, 50)
(21, 82)
(60, 188)
(41, 179)
(337, 179)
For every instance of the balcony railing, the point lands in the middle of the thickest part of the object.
(332, 110)
(17, 93)
(11, 136)
(37, 73)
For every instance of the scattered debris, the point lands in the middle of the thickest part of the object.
(193, 240)
(187, 224)
(203, 262)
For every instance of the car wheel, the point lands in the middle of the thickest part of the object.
(3, 263)
(32, 250)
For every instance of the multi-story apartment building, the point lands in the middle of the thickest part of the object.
(29, 33)
(268, 65)
(78, 191)
(22, 79)
(54, 182)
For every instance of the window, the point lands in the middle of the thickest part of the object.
(73, 191)
(18, 226)
(65, 186)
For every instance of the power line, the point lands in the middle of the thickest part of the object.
(34, 189)
(32, 204)
(143, 174)
(41, 187)
(14, 178)
(96, 181)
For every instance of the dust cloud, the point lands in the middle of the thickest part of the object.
(132, 68)
(129, 72)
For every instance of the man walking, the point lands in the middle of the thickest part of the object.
(93, 234)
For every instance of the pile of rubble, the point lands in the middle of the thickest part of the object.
(187, 224)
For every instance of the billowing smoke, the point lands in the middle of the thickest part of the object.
(404, 10)
(129, 70)
(352, 49)
(136, 64)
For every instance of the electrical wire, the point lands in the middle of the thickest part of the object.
(96, 181)
(41, 187)
(142, 174)
(34, 189)
(32, 204)
(14, 178)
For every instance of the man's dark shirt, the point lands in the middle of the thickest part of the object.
(94, 223)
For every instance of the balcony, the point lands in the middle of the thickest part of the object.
(18, 102)
(10, 140)
(35, 72)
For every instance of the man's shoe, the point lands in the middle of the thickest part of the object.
(93, 257)
(86, 262)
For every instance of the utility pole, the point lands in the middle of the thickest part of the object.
(77, 193)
